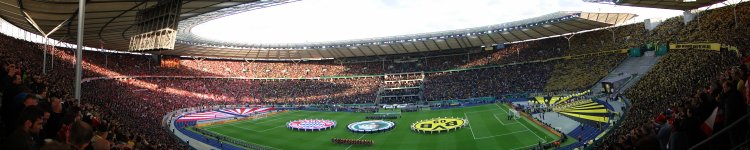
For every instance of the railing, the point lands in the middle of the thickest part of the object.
(733, 136)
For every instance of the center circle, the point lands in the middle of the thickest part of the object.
(371, 126)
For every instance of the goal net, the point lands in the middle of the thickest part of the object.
(514, 113)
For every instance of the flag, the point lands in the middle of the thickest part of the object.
(708, 125)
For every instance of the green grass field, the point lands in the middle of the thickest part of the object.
(487, 129)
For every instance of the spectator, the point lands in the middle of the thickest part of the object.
(80, 135)
(30, 123)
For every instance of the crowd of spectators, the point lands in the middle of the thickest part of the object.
(487, 82)
(581, 73)
(675, 88)
(672, 101)
(38, 111)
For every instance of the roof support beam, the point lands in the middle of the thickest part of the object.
(257, 54)
(566, 30)
(381, 49)
(467, 40)
(332, 53)
(319, 53)
(448, 44)
(545, 28)
(248, 53)
(540, 33)
(527, 35)
(394, 49)
(459, 43)
(425, 46)
(579, 28)
(370, 49)
(28, 18)
(514, 35)
(341, 54)
(31, 21)
(617, 19)
(503, 37)
(415, 47)
(493, 39)
(58, 26)
(402, 46)
(437, 45)
(480, 40)
(350, 51)
(361, 51)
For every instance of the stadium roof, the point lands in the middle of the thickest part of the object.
(664, 4)
(111, 23)
(554, 24)
(108, 21)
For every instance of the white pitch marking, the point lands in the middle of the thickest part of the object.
(472, 130)
(360, 137)
(500, 134)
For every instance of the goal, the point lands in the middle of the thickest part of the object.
(514, 113)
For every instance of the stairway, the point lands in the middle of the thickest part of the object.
(637, 66)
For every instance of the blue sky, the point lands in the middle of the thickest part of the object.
(334, 20)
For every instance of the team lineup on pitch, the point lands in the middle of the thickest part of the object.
(477, 127)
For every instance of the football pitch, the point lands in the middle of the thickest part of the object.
(487, 128)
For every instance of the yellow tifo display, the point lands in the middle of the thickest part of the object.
(438, 125)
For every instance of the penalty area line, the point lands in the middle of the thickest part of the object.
(500, 135)
(527, 128)
(501, 122)
(501, 108)
(467, 124)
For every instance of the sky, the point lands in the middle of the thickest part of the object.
(335, 20)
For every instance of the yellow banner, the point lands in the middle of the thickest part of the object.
(438, 124)
(698, 46)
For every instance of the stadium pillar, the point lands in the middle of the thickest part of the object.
(612, 30)
(79, 49)
(568, 38)
(44, 58)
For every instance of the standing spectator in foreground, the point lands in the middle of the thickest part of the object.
(80, 135)
(30, 125)
(55, 121)
(100, 139)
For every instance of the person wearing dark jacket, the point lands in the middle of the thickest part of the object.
(30, 123)
(734, 108)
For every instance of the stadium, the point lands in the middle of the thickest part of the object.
(196, 74)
